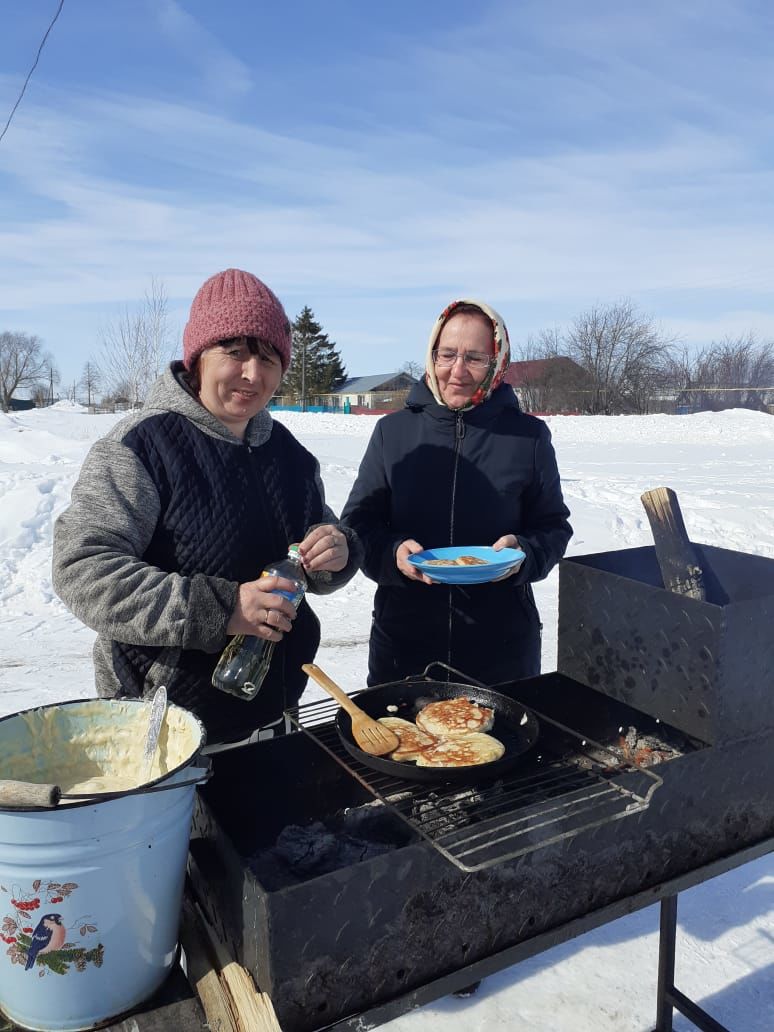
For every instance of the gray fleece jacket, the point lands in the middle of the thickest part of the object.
(170, 513)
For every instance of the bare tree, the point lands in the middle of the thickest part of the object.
(24, 364)
(734, 373)
(623, 353)
(41, 395)
(90, 381)
(156, 311)
(415, 369)
(529, 383)
(544, 378)
(547, 344)
(136, 346)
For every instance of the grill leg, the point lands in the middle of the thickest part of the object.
(666, 963)
(669, 997)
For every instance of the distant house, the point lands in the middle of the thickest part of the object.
(21, 404)
(550, 384)
(21, 400)
(383, 392)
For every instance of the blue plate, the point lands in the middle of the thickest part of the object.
(496, 564)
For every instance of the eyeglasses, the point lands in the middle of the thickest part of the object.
(474, 360)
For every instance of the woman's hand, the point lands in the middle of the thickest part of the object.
(324, 548)
(507, 541)
(405, 549)
(262, 612)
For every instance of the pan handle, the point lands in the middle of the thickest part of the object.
(466, 678)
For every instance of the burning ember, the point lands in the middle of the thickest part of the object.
(638, 749)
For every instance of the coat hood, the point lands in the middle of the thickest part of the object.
(172, 393)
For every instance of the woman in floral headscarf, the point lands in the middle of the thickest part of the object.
(460, 465)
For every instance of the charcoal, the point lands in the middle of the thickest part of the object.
(307, 851)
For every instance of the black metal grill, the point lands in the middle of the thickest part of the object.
(334, 942)
(567, 785)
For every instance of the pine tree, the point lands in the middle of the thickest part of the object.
(311, 347)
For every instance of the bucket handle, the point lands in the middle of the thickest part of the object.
(23, 795)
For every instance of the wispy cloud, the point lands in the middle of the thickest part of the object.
(544, 165)
(220, 68)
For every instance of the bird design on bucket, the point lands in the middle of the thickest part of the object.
(43, 946)
(48, 936)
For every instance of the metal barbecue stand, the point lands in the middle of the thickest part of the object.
(487, 824)
(499, 868)
(479, 826)
(669, 998)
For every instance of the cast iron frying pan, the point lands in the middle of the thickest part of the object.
(516, 727)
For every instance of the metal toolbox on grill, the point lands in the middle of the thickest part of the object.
(707, 667)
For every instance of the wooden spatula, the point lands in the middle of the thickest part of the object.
(372, 737)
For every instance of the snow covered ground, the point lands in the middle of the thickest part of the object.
(722, 467)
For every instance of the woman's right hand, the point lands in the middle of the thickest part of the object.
(405, 549)
(260, 611)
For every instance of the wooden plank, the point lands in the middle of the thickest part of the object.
(677, 559)
(201, 973)
(252, 1009)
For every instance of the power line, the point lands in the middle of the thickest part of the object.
(29, 74)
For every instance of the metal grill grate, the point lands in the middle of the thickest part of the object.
(568, 785)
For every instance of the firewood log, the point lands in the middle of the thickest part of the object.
(677, 559)
(252, 1010)
(202, 974)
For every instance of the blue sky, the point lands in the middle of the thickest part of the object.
(375, 161)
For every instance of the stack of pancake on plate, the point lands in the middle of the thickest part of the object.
(447, 733)
(461, 560)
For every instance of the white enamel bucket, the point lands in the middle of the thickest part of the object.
(91, 890)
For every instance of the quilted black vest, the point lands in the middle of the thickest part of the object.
(227, 510)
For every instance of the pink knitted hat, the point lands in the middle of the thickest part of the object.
(234, 303)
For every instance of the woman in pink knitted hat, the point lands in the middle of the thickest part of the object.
(178, 509)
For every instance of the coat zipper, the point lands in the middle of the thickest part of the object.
(459, 436)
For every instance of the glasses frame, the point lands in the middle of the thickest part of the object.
(466, 358)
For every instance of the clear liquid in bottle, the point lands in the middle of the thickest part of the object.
(245, 661)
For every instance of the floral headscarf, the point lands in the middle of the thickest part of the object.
(502, 353)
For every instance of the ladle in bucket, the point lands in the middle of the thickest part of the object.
(158, 709)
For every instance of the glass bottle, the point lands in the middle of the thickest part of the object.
(245, 661)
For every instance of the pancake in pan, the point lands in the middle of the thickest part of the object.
(448, 718)
(413, 740)
(463, 751)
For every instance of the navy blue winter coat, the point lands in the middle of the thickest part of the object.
(457, 478)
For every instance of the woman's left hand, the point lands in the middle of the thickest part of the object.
(507, 541)
(325, 548)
